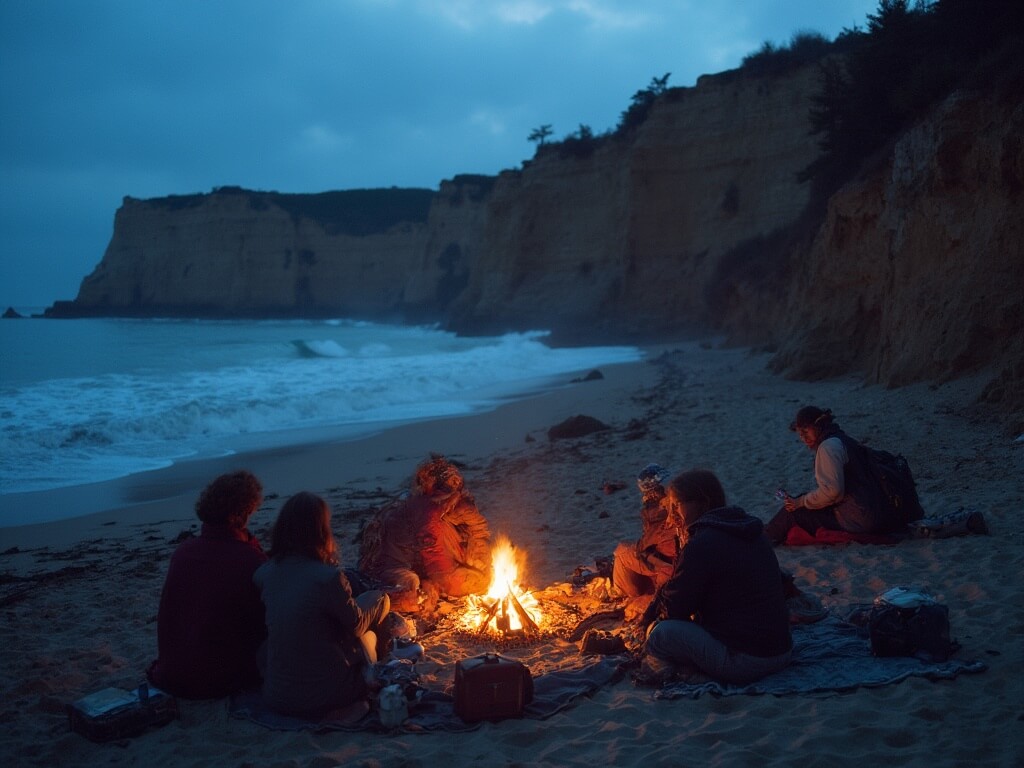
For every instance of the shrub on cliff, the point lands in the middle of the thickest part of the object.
(641, 103)
(805, 47)
(909, 59)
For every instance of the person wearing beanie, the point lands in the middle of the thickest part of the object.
(641, 566)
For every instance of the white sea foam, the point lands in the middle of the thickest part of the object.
(119, 397)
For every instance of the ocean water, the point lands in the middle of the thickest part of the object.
(83, 401)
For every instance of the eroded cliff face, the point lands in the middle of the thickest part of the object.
(917, 272)
(621, 240)
(695, 221)
(625, 241)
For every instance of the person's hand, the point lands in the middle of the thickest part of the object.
(635, 608)
(791, 503)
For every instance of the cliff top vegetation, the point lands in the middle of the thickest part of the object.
(356, 212)
(874, 81)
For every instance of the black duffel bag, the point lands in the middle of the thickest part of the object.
(920, 631)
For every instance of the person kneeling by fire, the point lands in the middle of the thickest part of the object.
(640, 567)
(433, 542)
(722, 613)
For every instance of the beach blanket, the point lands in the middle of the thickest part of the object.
(829, 656)
(959, 523)
(798, 537)
(552, 692)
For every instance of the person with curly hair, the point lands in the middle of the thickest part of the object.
(434, 542)
(320, 639)
(210, 620)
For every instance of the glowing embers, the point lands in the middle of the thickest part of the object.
(507, 610)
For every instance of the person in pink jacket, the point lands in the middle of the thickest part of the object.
(434, 542)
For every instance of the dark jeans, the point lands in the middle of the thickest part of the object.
(685, 643)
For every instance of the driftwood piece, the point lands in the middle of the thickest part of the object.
(618, 614)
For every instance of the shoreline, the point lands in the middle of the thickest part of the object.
(382, 460)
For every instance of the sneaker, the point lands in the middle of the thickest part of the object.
(406, 648)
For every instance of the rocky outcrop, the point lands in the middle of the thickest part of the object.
(235, 252)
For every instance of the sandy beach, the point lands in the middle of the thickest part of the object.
(79, 597)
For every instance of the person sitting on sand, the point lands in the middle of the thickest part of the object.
(641, 566)
(320, 639)
(723, 611)
(434, 542)
(846, 497)
(209, 626)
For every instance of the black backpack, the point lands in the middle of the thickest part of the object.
(896, 481)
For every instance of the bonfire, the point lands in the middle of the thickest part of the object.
(507, 609)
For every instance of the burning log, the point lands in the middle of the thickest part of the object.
(529, 625)
(485, 622)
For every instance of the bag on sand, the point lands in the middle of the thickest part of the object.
(908, 622)
(601, 642)
(113, 713)
(491, 687)
(896, 481)
(959, 523)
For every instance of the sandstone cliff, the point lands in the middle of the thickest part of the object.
(626, 240)
(917, 272)
(235, 252)
(693, 221)
(628, 234)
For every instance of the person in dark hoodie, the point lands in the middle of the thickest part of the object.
(723, 611)
(846, 498)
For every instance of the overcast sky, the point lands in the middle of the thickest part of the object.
(105, 98)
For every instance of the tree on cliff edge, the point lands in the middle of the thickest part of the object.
(912, 56)
(540, 135)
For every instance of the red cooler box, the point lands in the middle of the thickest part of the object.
(491, 687)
